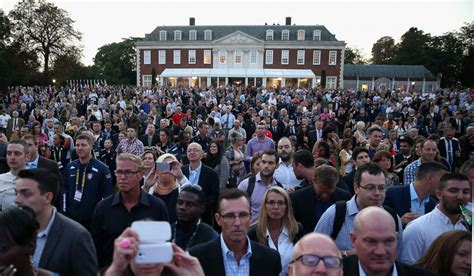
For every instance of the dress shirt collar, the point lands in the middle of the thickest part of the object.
(34, 162)
(45, 232)
(362, 272)
(443, 218)
(142, 200)
(414, 196)
(352, 208)
(227, 252)
(284, 164)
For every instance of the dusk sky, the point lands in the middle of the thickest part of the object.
(358, 23)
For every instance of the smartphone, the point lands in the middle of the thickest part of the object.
(162, 166)
(158, 253)
(153, 247)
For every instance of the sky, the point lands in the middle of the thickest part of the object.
(358, 23)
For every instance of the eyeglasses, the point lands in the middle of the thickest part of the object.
(127, 173)
(372, 188)
(230, 218)
(313, 260)
(278, 203)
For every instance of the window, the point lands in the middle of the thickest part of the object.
(253, 56)
(147, 80)
(285, 56)
(269, 35)
(332, 57)
(207, 56)
(207, 35)
(147, 57)
(238, 57)
(317, 35)
(300, 57)
(162, 35)
(331, 82)
(269, 57)
(222, 56)
(177, 35)
(192, 35)
(192, 57)
(300, 35)
(285, 35)
(177, 57)
(316, 57)
(162, 57)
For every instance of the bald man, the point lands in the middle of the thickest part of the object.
(316, 253)
(375, 239)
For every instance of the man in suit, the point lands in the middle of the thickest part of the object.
(233, 253)
(448, 146)
(276, 130)
(404, 156)
(377, 226)
(310, 202)
(414, 200)
(150, 139)
(14, 124)
(204, 176)
(63, 245)
(37, 161)
(317, 133)
(312, 249)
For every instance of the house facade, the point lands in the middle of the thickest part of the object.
(263, 55)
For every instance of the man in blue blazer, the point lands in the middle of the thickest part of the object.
(203, 176)
(414, 200)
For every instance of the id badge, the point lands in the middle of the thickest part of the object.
(60, 165)
(78, 196)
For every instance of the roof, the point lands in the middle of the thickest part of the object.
(258, 31)
(254, 73)
(388, 71)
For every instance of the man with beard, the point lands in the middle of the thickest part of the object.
(257, 185)
(310, 202)
(454, 190)
(189, 231)
(284, 172)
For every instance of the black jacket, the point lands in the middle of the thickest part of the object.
(351, 268)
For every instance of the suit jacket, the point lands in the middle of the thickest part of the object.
(69, 249)
(351, 268)
(444, 153)
(155, 140)
(279, 133)
(399, 199)
(314, 138)
(3, 159)
(209, 182)
(264, 260)
(304, 202)
(10, 129)
(49, 165)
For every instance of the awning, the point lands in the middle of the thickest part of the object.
(239, 73)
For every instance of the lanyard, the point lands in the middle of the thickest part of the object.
(58, 154)
(192, 236)
(83, 182)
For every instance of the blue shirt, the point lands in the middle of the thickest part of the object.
(33, 164)
(232, 268)
(227, 121)
(343, 241)
(194, 174)
(417, 206)
(41, 239)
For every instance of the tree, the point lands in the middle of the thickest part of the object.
(68, 66)
(413, 48)
(116, 62)
(384, 50)
(153, 76)
(353, 56)
(43, 28)
(323, 79)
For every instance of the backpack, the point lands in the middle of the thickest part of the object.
(251, 184)
(341, 214)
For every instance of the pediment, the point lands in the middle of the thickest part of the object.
(238, 37)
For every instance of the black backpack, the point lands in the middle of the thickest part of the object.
(251, 185)
(341, 214)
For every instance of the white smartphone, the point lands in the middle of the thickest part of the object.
(157, 253)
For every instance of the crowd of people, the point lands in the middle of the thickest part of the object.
(252, 181)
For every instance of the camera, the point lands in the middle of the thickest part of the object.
(153, 247)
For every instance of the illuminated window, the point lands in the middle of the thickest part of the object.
(222, 56)
(300, 35)
(207, 56)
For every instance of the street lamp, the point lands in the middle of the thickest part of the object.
(54, 81)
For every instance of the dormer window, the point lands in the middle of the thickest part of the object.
(162, 35)
(207, 35)
(285, 35)
(177, 35)
(317, 35)
(300, 35)
(192, 35)
(269, 35)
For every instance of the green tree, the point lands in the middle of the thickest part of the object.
(116, 62)
(44, 29)
(68, 66)
(413, 48)
(466, 36)
(353, 56)
(384, 50)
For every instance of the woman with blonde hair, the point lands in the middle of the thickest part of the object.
(359, 134)
(168, 183)
(276, 226)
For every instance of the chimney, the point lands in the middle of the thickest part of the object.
(192, 21)
(288, 21)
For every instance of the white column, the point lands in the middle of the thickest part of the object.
(373, 84)
(357, 84)
(313, 85)
(393, 83)
(424, 83)
(408, 85)
(298, 83)
(208, 82)
(254, 81)
(226, 80)
(218, 82)
(190, 82)
(246, 81)
(264, 82)
(283, 82)
(199, 82)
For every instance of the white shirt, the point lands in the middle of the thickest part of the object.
(285, 175)
(41, 239)
(421, 232)
(7, 190)
(285, 249)
(4, 120)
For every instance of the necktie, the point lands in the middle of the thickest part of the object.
(14, 124)
(450, 152)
